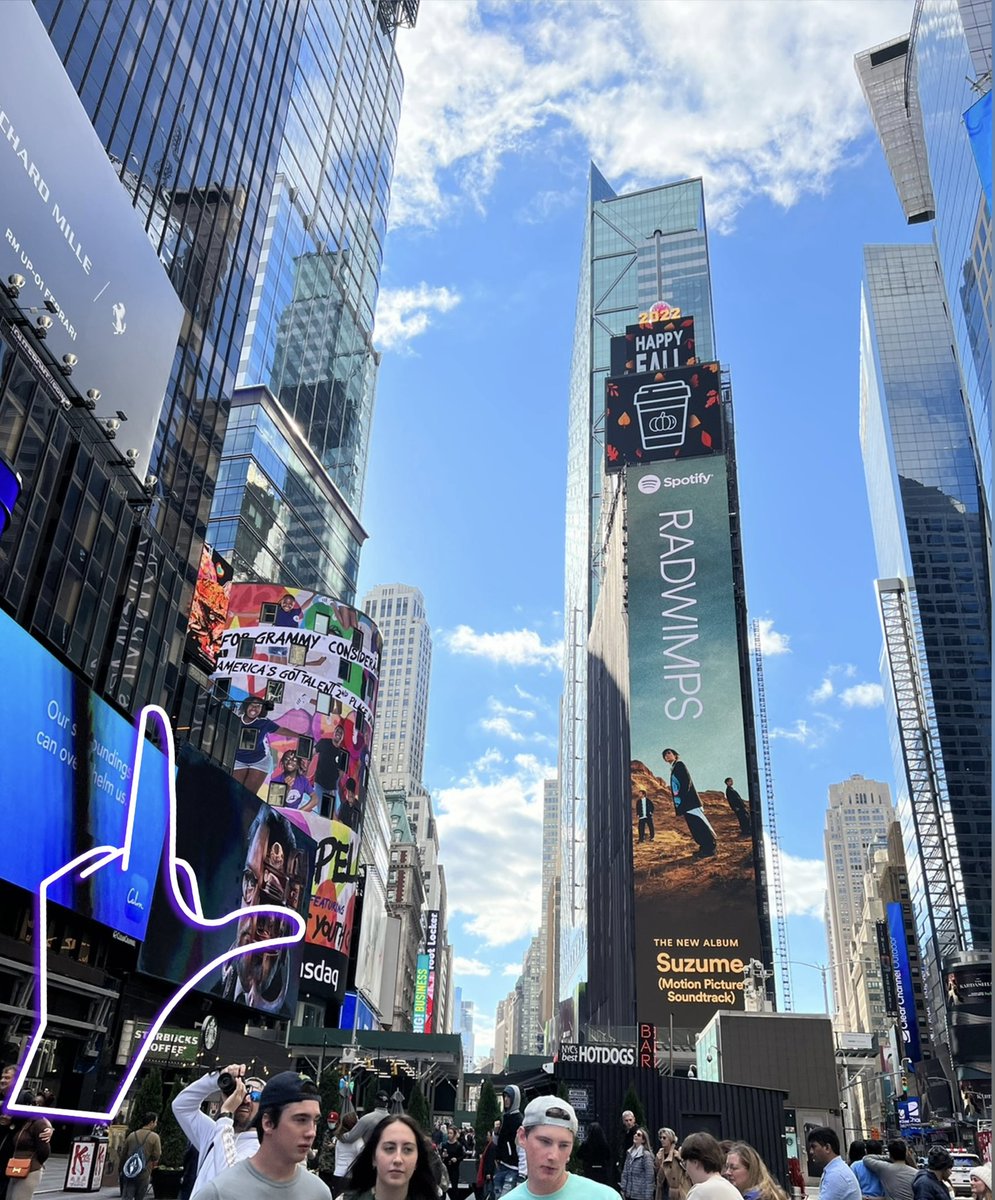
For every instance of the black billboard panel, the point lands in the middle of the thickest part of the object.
(665, 415)
(654, 346)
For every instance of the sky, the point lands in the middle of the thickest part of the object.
(465, 495)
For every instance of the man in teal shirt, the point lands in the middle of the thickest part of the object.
(549, 1126)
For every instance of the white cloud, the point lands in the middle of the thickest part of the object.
(508, 710)
(771, 641)
(512, 970)
(490, 758)
(804, 883)
(517, 647)
(772, 108)
(404, 313)
(811, 735)
(502, 727)
(470, 966)
(490, 832)
(823, 692)
(863, 695)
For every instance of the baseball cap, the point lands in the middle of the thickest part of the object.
(938, 1158)
(549, 1110)
(287, 1088)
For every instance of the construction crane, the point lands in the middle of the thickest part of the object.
(777, 881)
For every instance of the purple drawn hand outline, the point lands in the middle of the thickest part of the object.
(177, 869)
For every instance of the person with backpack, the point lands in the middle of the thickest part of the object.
(139, 1158)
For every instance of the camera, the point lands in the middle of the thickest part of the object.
(226, 1084)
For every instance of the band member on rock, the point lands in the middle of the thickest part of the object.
(687, 804)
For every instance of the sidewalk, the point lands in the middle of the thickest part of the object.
(54, 1177)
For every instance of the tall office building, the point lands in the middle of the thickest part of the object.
(638, 248)
(291, 487)
(406, 666)
(859, 814)
(190, 101)
(919, 87)
(935, 604)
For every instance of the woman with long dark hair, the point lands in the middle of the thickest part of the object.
(596, 1156)
(393, 1165)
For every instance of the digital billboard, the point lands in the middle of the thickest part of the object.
(968, 988)
(244, 854)
(654, 345)
(73, 758)
(303, 670)
(209, 608)
(905, 1002)
(431, 952)
(69, 230)
(663, 415)
(695, 861)
(421, 995)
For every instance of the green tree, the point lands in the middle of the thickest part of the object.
(172, 1137)
(635, 1106)
(147, 1099)
(418, 1108)
(488, 1111)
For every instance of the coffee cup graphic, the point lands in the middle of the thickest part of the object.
(662, 409)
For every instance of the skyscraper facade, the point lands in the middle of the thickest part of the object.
(308, 345)
(638, 249)
(399, 741)
(935, 603)
(859, 814)
(190, 102)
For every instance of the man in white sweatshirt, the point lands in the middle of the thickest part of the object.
(226, 1141)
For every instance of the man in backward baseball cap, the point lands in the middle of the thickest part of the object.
(549, 1126)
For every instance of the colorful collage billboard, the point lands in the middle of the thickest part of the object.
(209, 608)
(74, 760)
(421, 995)
(303, 671)
(243, 853)
(695, 852)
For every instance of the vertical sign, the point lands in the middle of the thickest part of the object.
(421, 995)
(905, 996)
(431, 950)
(695, 879)
(646, 1045)
(888, 989)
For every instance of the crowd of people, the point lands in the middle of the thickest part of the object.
(262, 1144)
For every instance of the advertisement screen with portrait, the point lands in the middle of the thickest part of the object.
(243, 853)
(302, 670)
(694, 821)
(209, 608)
(73, 769)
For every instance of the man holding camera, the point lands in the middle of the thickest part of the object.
(226, 1141)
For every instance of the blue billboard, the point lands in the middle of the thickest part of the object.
(64, 784)
(907, 1022)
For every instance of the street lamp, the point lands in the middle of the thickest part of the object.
(823, 970)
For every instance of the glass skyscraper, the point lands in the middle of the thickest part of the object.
(308, 346)
(638, 248)
(189, 100)
(935, 601)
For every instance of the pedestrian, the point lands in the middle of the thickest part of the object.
(485, 1168)
(507, 1175)
(687, 803)
(452, 1154)
(838, 1182)
(394, 1164)
(346, 1152)
(703, 1160)
(931, 1182)
(596, 1156)
(671, 1178)
(981, 1181)
(638, 1177)
(628, 1131)
(894, 1172)
(326, 1155)
(24, 1148)
(232, 1136)
(142, 1151)
(748, 1174)
(286, 1125)
(549, 1128)
(871, 1187)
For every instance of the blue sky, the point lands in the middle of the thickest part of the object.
(465, 492)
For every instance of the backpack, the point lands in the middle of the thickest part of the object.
(136, 1162)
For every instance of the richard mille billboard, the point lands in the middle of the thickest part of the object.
(72, 242)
